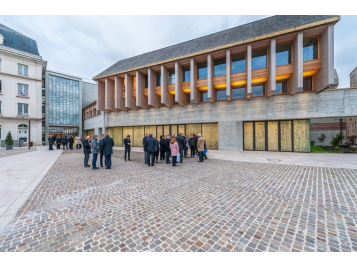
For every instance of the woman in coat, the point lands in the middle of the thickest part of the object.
(174, 150)
(78, 142)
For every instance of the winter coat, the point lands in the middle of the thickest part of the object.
(108, 146)
(201, 144)
(78, 140)
(86, 147)
(95, 146)
(174, 148)
(181, 142)
(127, 146)
(149, 145)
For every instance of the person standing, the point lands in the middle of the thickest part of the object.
(162, 147)
(101, 146)
(108, 151)
(205, 156)
(86, 151)
(127, 143)
(200, 147)
(71, 141)
(191, 142)
(181, 143)
(150, 149)
(145, 149)
(50, 142)
(167, 149)
(78, 142)
(186, 145)
(174, 147)
(58, 142)
(96, 150)
(54, 139)
(157, 149)
(65, 142)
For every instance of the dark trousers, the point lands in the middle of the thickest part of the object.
(181, 155)
(108, 161)
(94, 161)
(174, 160)
(65, 144)
(162, 155)
(146, 156)
(58, 146)
(50, 146)
(156, 155)
(186, 151)
(77, 146)
(200, 155)
(101, 158)
(167, 157)
(86, 158)
(152, 156)
(192, 151)
(71, 146)
(127, 152)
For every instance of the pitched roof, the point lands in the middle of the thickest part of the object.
(18, 41)
(247, 31)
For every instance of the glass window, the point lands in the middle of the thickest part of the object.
(22, 90)
(0, 113)
(204, 97)
(22, 109)
(307, 85)
(281, 87)
(202, 70)
(221, 94)
(188, 98)
(238, 63)
(238, 92)
(186, 74)
(146, 81)
(259, 59)
(0, 87)
(158, 79)
(219, 67)
(283, 54)
(258, 90)
(22, 69)
(171, 76)
(310, 49)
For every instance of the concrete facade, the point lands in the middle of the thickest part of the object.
(353, 78)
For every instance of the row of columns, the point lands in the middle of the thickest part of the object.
(323, 78)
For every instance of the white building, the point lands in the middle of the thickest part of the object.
(21, 71)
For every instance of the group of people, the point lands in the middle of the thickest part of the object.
(66, 142)
(104, 148)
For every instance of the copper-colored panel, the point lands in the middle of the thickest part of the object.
(151, 129)
(159, 131)
(248, 136)
(118, 136)
(301, 135)
(166, 130)
(181, 129)
(273, 136)
(129, 131)
(210, 134)
(260, 136)
(285, 136)
(173, 130)
(138, 136)
(193, 129)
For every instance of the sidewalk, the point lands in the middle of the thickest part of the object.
(19, 175)
(287, 158)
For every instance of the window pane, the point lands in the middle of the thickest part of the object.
(257, 90)
(283, 54)
(26, 89)
(146, 81)
(202, 70)
(158, 79)
(188, 98)
(259, 59)
(26, 109)
(310, 49)
(171, 76)
(281, 87)
(26, 70)
(307, 85)
(221, 94)
(238, 93)
(19, 108)
(19, 69)
(238, 63)
(186, 74)
(220, 67)
(19, 89)
(204, 97)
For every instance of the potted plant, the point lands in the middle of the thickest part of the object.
(9, 142)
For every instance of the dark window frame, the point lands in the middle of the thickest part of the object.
(266, 55)
(245, 62)
(290, 54)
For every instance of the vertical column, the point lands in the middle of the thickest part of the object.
(297, 79)
(179, 94)
(272, 68)
(193, 76)
(166, 97)
(101, 95)
(210, 92)
(325, 76)
(141, 100)
(119, 101)
(129, 99)
(249, 71)
(109, 91)
(228, 74)
(153, 99)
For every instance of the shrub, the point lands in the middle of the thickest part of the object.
(352, 139)
(312, 143)
(322, 138)
(8, 139)
(337, 140)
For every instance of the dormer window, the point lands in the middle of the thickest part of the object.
(2, 39)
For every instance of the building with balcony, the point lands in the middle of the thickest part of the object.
(252, 87)
(21, 70)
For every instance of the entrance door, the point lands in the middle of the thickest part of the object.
(22, 132)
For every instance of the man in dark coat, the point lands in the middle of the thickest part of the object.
(101, 146)
(86, 150)
(167, 149)
(50, 142)
(71, 141)
(108, 151)
(157, 148)
(145, 150)
(149, 144)
(127, 143)
(65, 142)
(191, 143)
(58, 142)
(162, 147)
(181, 143)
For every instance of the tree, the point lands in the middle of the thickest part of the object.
(8, 139)
(322, 138)
(337, 140)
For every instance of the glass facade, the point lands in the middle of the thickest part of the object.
(158, 79)
(219, 67)
(259, 59)
(63, 101)
(186, 74)
(202, 70)
(146, 82)
(204, 97)
(221, 94)
(283, 54)
(258, 90)
(238, 63)
(238, 93)
(310, 51)
(281, 87)
(171, 76)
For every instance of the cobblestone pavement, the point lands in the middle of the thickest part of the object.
(212, 206)
(15, 150)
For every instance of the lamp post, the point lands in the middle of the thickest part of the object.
(29, 134)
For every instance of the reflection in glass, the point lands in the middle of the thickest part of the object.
(171, 76)
(220, 67)
(238, 93)
(258, 90)
(204, 97)
(281, 87)
(186, 74)
(283, 54)
(259, 59)
(202, 70)
(238, 63)
(307, 85)
(310, 49)
(158, 79)
(221, 94)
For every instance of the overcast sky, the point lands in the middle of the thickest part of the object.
(86, 45)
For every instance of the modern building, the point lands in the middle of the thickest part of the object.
(64, 96)
(252, 87)
(21, 71)
(353, 78)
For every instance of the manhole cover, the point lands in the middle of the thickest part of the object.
(274, 160)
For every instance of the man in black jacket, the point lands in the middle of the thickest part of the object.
(86, 150)
(71, 141)
(162, 147)
(50, 142)
(101, 146)
(127, 143)
(149, 144)
(58, 142)
(181, 143)
(191, 143)
(167, 149)
(145, 149)
(108, 151)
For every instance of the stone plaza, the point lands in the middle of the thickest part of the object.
(217, 205)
